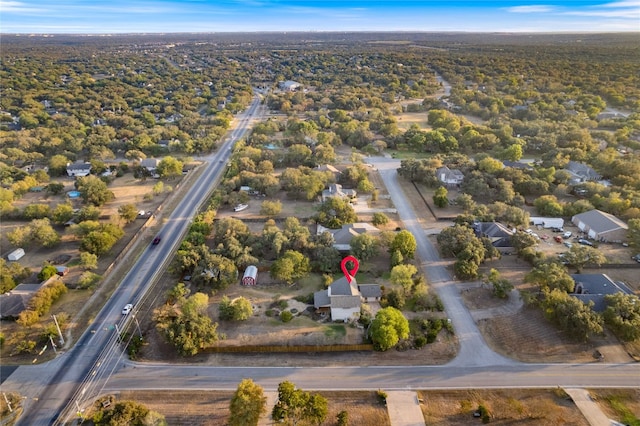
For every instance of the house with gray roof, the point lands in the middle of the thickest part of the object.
(594, 288)
(498, 234)
(343, 298)
(450, 177)
(601, 226)
(336, 190)
(78, 169)
(342, 237)
(581, 173)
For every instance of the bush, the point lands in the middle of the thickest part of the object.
(343, 418)
(269, 312)
(420, 342)
(47, 272)
(382, 396)
(286, 316)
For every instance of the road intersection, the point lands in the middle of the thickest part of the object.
(95, 365)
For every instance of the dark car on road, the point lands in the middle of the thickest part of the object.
(156, 240)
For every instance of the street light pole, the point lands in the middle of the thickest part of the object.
(137, 326)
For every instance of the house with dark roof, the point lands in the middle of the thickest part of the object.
(17, 300)
(601, 226)
(517, 165)
(343, 298)
(497, 233)
(336, 190)
(594, 288)
(581, 173)
(450, 177)
(78, 169)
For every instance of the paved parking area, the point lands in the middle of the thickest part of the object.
(404, 409)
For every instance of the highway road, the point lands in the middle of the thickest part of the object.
(56, 390)
(97, 364)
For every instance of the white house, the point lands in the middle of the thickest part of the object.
(290, 85)
(343, 298)
(16, 254)
(450, 177)
(342, 237)
(151, 164)
(78, 169)
(335, 190)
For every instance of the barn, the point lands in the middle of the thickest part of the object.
(250, 276)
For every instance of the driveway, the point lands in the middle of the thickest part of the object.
(473, 349)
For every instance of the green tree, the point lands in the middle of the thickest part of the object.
(579, 256)
(548, 205)
(88, 260)
(405, 243)
(47, 272)
(633, 233)
(623, 315)
(213, 271)
(238, 309)
(128, 212)
(501, 286)
(128, 413)
(402, 275)
(387, 328)
(571, 314)
(62, 213)
(549, 276)
(247, 405)
(364, 246)
(93, 190)
(295, 405)
(58, 165)
(379, 219)
(440, 198)
(186, 324)
(289, 267)
(169, 167)
(335, 212)
(270, 208)
(36, 211)
(343, 418)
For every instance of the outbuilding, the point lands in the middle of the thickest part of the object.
(16, 254)
(250, 276)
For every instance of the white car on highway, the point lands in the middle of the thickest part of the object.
(127, 308)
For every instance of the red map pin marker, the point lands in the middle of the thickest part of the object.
(350, 274)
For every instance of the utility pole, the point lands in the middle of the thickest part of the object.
(59, 331)
(137, 326)
(7, 401)
(53, 345)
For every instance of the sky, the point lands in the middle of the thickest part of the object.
(172, 16)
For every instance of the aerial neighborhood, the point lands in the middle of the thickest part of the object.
(380, 188)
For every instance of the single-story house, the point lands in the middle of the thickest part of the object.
(16, 255)
(601, 226)
(581, 172)
(594, 288)
(516, 165)
(329, 168)
(343, 298)
(450, 177)
(151, 164)
(289, 85)
(78, 169)
(336, 190)
(499, 234)
(342, 237)
(15, 301)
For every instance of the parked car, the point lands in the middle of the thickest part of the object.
(568, 244)
(558, 238)
(156, 240)
(557, 229)
(585, 242)
(127, 308)
(636, 257)
(567, 234)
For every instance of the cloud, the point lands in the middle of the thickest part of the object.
(624, 3)
(626, 9)
(19, 7)
(540, 8)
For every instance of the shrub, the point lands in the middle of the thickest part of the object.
(47, 272)
(286, 316)
(382, 396)
(343, 418)
(420, 342)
